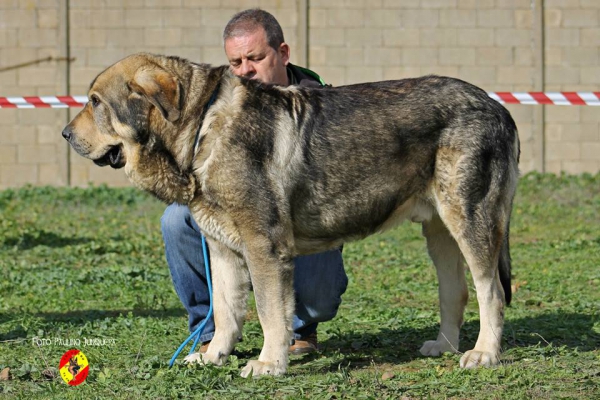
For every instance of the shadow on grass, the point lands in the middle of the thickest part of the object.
(397, 346)
(41, 238)
(75, 318)
(393, 346)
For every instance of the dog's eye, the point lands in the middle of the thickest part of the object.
(95, 101)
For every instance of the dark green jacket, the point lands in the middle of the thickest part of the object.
(303, 76)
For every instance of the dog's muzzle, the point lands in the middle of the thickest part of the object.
(67, 133)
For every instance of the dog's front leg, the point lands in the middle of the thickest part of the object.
(272, 280)
(231, 284)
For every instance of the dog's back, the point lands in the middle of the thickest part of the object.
(386, 139)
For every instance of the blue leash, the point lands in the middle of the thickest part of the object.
(198, 332)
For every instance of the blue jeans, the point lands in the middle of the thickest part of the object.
(319, 279)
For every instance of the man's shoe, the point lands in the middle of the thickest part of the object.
(204, 347)
(304, 345)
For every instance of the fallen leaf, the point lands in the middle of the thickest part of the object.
(4, 375)
(387, 375)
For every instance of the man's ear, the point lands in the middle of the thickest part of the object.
(160, 88)
(284, 52)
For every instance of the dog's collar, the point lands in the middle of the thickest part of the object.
(212, 99)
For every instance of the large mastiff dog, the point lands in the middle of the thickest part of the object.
(270, 173)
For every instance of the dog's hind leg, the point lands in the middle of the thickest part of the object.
(479, 227)
(231, 284)
(453, 293)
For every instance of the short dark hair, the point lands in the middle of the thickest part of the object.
(248, 21)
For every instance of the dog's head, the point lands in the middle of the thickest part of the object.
(123, 100)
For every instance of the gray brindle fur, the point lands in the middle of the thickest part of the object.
(285, 171)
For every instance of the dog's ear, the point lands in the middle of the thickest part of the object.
(161, 88)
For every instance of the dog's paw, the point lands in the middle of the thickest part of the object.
(257, 368)
(204, 358)
(475, 358)
(193, 358)
(435, 348)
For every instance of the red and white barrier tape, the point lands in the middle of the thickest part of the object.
(555, 98)
(43, 102)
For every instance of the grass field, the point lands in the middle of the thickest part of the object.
(81, 264)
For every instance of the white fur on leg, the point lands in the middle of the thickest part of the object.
(453, 294)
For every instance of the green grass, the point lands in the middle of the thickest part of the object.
(89, 263)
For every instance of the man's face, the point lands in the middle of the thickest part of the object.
(251, 56)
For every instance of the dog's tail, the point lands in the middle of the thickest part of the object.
(504, 267)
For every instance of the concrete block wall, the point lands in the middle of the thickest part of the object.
(31, 149)
(499, 45)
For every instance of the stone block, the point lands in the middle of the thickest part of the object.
(562, 4)
(347, 18)
(8, 154)
(591, 4)
(562, 75)
(480, 76)
(523, 19)
(442, 70)
(401, 37)
(496, 18)
(580, 18)
(363, 74)
(513, 37)
(217, 17)
(475, 4)
(38, 37)
(590, 151)
(559, 37)
(515, 75)
(206, 36)
(363, 37)
(421, 18)
(458, 56)
(327, 37)
(420, 56)
(523, 56)
(438, 37)
(552, 18)
(51, 174)
(563, 114)
(382, 18)
(98, 57)
(460, 18)
(441, 4)
(201, 3)
(86, 38)
(143, 18)
(476, 37)
(390, 73)
(163, 37)
(35, 154)
(384, 57)
(317, 17)
(17, 18)
(17, 175)
(562, 151)
(590, 76)
(581, 56)
(47, 18)
(36, 77)
(401, 4)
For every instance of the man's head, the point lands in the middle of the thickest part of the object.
(255, 47)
